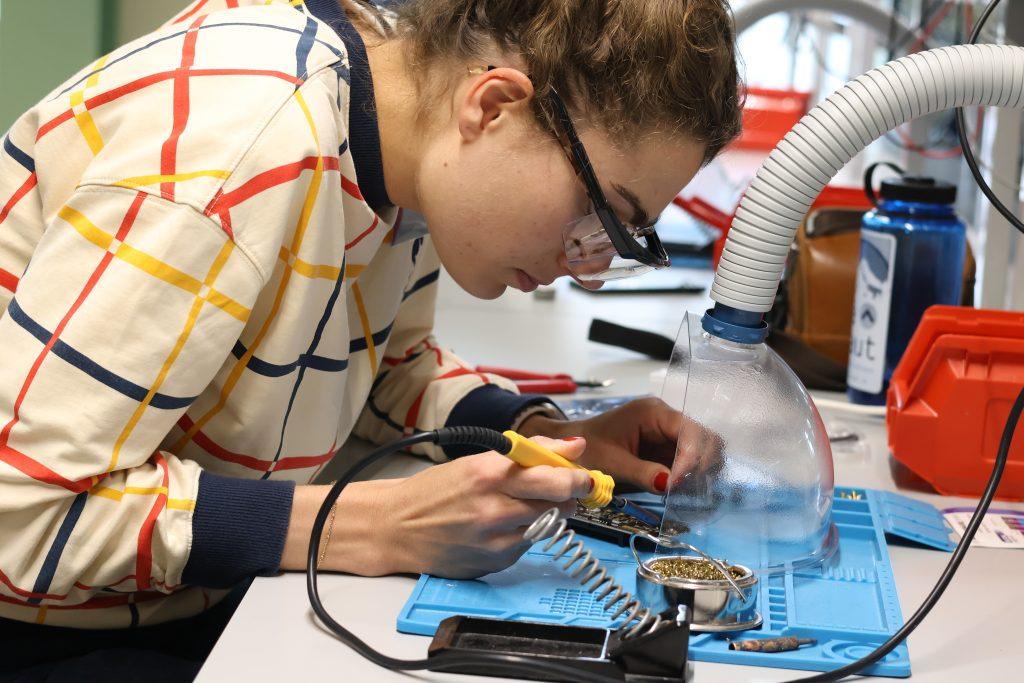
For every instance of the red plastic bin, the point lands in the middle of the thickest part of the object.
(768, 115)
(949, 398)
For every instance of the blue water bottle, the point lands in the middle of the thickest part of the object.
(912, 249)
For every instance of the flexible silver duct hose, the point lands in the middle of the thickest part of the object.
(831, 134)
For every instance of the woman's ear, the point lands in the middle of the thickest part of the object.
(491, 97)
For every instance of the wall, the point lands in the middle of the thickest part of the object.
(43, 42)
(138, 17)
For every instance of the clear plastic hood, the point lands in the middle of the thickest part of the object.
(752, 478)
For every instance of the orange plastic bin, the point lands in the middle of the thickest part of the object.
(768, 114)
(949, 398)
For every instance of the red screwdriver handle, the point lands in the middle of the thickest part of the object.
(546, 386)
(512, 373)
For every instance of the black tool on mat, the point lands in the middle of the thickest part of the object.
(656, 657)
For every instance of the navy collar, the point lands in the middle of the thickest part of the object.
(363, 134)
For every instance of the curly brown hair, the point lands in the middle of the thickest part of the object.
(630, 67)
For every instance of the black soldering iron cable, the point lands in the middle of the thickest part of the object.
(506, 664)
(965, 143)
(950, 570)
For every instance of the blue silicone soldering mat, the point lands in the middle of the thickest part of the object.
(849, 605)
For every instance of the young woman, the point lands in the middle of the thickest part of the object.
(207, 281)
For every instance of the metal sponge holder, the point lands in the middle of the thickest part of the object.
(716, 605)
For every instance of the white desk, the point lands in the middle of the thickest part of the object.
(972, 635)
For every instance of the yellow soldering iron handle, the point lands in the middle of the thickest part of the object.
(530, 454)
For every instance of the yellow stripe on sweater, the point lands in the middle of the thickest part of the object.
(364, 320)
(148, 264)
(190, 323)
(143, 180)
(118, 494)
(83, 118)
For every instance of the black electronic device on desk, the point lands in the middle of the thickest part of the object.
(657, 656)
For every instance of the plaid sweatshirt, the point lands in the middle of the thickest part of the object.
(204, 290)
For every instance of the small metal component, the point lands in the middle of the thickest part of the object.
(591, 575)
(851, 495)
(783, 644)
(844, 437)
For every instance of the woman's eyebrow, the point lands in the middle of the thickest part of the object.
(640, 218)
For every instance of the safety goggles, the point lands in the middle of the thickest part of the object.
(598, 246)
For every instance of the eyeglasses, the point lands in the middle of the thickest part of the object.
(598, 246)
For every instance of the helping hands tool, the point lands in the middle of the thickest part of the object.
(544, 383)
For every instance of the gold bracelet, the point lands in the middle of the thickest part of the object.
(330, 528)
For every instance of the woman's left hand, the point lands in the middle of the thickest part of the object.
(634, 443)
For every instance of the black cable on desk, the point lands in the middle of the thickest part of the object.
(965, 143)
(506, 664)
(950, 570)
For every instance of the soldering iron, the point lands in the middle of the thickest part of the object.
(530, 454)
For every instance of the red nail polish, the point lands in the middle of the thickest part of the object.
(661, 482)
(590, 485)
(572, 438)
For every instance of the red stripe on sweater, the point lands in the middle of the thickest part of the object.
(151, 79)
(266, 180)
(144, 554)
(295, 462)
(22, 190)
(169, 150)
(8, 280)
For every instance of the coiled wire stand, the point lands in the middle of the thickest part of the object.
(585, 568)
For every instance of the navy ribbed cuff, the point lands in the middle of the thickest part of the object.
(487, 406)
(238, 529)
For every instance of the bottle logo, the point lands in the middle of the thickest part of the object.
(871, 305)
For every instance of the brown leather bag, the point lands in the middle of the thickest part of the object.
(815, 304)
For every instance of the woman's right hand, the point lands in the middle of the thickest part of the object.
(460, 519)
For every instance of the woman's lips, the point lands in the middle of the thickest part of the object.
(524, 282)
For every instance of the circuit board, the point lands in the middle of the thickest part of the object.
(610, 525)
